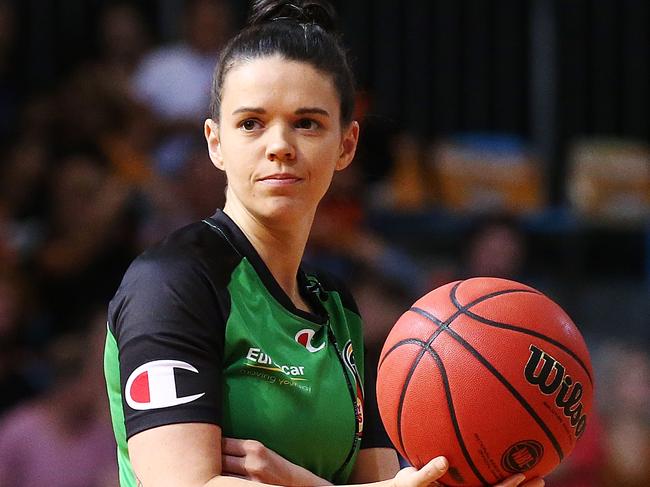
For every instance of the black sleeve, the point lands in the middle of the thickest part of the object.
(169, 326)
(374, 433)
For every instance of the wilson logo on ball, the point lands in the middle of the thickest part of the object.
(551, 378)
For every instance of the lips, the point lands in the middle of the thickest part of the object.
(280, 179)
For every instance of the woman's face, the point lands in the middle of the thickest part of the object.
(279, 139)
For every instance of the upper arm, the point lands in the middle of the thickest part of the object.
(374, 464)
(164, 365)
(176, 455)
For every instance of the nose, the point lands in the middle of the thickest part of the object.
(279, 146)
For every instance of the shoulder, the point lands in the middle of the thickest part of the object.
(189, 270)
(192, 251)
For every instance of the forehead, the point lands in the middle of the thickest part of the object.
(275, 81)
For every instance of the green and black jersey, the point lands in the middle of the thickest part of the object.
(200, 331)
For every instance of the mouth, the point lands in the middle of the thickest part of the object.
(280, 179)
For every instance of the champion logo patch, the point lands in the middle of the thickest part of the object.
(305, 336)
(153, 385)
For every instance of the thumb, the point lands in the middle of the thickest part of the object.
(433, 470)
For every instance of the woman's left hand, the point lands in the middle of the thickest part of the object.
(251, 460)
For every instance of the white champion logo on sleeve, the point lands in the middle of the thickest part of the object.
(153, 386)
(304, 338)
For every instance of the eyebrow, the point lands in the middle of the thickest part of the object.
(299, 111)
(315, 110)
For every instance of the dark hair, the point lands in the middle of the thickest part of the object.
(299, 30)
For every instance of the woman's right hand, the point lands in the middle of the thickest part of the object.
(436, 468)
(251, 460)
(427, 475)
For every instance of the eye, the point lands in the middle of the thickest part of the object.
(307, 124)
(250, 124)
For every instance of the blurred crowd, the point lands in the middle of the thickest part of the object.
(111, 159)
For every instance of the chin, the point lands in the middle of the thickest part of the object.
(291, 211)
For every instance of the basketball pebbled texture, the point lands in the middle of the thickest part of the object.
(490, 373)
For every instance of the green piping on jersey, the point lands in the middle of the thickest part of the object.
(112, 373)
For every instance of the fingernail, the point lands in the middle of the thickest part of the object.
(441, 463)
(520, 479)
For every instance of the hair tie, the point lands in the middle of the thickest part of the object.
(301, 16)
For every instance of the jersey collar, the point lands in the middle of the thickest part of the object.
(312, 292)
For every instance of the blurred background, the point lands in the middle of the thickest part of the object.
(499, 138)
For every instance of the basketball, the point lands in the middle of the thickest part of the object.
(490, 373)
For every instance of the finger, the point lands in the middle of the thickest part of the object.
(243, 477)
(232, 465)
(534, 483)
(233, 447)
(513, 481)
(433, 470)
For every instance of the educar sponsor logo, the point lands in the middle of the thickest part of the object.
(258, 359)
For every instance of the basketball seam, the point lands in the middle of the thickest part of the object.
(442, 325)
(402, 395)
(510, 388)
(450, 405)
(452, 412)
(495, 373)
(506, 326)
(445, 325)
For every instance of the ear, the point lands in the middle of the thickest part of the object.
(211, 132)
(348, 146)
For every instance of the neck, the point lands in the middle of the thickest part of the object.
(280, 245)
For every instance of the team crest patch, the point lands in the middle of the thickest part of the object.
(348, 359)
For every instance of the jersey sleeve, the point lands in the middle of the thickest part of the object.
(168, 323)
(374, 433)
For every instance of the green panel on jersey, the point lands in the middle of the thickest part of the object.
(297, 399)
(112, 373)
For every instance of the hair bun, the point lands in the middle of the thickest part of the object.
(318, 12)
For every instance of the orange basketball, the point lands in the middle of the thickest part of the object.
(490, 373)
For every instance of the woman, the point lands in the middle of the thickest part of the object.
(218, 333)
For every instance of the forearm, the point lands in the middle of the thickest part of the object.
(224, 481)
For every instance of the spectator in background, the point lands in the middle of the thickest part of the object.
(22, 187)
(123, 41)
(624, 372)
(496, 247)
(191, 192)
(88, 242)
(63, 439)
(340, 241)
(381, 301)
(174, 81)
(14, 302)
